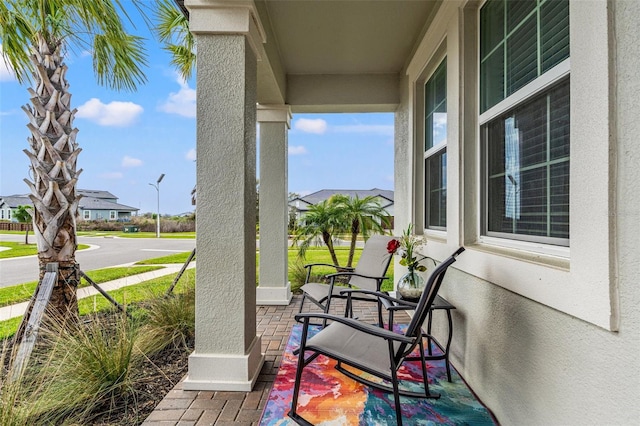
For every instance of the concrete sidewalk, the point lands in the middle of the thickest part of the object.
(17, 310)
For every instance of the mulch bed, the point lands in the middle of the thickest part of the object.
(158, 376)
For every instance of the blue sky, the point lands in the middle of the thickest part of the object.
(129, 139)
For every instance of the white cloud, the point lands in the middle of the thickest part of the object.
(111, 175)
(297, 150)
(131, 162)
(440, 120)
(307, 125)
(378, 129)
(191, 155)
(6, 72)
(182, 102)
(116, 114)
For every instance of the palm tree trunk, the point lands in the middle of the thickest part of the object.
(53, 156)
(355, 230)
(326, 237)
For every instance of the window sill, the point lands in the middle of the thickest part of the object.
(541, 254)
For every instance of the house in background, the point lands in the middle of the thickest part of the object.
(94, 205)
(103, 205)
(301, 204)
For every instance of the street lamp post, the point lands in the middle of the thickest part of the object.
(157, 187)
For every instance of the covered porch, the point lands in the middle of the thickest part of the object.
(539, 311)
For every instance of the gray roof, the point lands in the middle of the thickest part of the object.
(324, 194)
(87, 202)
(93, 203)
(97, 193)
(13, 201)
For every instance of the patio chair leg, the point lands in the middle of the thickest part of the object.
(380, 320)
(394, 382)
(304, 296)
(326, 310)
(425, 378)
(300, 367)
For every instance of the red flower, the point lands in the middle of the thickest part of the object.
(392, 246)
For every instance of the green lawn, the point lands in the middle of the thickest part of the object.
(125, 296)
(185, 235)
(22, 249)
(23, 292)
(119, 234)
(171, 258)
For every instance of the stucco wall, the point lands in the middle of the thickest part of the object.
(532, 364)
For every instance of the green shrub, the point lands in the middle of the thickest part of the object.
(298, 275)
(170, 322)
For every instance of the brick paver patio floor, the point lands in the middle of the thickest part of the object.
(184, 408)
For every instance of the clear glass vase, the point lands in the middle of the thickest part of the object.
(411, 286)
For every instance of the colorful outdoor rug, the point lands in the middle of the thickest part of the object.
(329, 398)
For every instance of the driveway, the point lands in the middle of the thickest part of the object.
(104, 252)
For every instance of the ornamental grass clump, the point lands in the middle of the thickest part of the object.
(170, 322)
(94, 365)
(74, 373)
(14, 393)
(298, 275)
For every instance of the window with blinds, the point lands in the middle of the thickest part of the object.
(519, 41)
(527, 163)
(525, 141)
(435, 139)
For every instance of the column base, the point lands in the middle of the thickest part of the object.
(225, 372)
(273, 295)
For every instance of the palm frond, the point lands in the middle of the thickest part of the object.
(173, 31)
(119, 57)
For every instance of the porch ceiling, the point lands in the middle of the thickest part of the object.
(337, 55)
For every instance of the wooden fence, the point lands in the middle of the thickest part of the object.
(15, 226)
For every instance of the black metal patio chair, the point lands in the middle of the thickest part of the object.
(370, 348)
(368, 275)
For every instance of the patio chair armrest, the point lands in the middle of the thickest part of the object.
(311, 265)
(379, 294)
(358, 325)
(353, 274)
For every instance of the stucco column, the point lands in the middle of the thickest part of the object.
(227, 353)
(274, 288)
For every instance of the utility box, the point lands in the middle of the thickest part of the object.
(131, 229)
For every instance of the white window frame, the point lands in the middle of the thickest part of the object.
(580, 282)
(9, 214)
(113, 215)
(556, 246)
(437, 148)
(86, 214)
(577, 281)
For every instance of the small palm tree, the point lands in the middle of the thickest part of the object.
(23, 215)
(320, 221)
(360, 215)
(35, 36)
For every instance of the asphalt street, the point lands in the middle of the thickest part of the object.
(104, 252)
